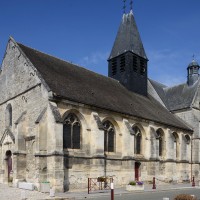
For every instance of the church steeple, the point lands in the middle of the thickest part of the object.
(128, 60)
(128, 38)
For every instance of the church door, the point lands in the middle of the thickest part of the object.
(137, 170)
(9, 162)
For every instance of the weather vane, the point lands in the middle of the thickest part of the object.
(131, 4)
(124, 7)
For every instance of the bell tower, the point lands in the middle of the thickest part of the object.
(127, 62)
(193, 72)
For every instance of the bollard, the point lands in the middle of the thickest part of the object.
(88, 185)
(193, 182)
(154, 183)
(23, 195)
(112, 191)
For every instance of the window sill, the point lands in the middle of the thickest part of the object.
(113, 155)
(74, 152)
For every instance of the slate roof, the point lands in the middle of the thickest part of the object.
(128, 38)
(78, 84)
(193, 63)
(176, 97)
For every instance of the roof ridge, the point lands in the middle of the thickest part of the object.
(74, 64)
(174, 86)
(184, 84)
(151, 80)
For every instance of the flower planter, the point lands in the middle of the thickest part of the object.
(134, 187)
(45, 187)
(101, 179)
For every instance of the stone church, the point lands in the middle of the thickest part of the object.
(63, 124)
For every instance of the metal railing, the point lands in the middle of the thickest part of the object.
(99, 184)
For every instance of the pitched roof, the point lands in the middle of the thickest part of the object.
(128, 38)
(176, 97)
(81, 85)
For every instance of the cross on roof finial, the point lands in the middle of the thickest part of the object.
(131, 5)
(124, 7)
(193, 56)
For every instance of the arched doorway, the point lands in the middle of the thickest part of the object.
(9, 163)
(137, 170)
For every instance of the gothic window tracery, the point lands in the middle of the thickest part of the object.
(72, 132)
(187, 137)
(138, 140)
(160, 142)
(109, 137)
(176, 144)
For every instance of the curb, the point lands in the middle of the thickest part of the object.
(89, 196)
(59, 198)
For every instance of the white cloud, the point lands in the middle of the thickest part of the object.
(94, 58)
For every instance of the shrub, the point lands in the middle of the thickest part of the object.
(185, 197)
(132, 183)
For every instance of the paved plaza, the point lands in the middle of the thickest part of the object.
(10, 193)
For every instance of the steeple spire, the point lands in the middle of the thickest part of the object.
(128, 38)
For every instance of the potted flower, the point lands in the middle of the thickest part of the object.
(135, 186)
(101, 179)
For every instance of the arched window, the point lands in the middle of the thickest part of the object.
(160, 141)
(187, 137)
(176, 145)
(8, 120)
(71, 132)
(138, 140)
(109, 137)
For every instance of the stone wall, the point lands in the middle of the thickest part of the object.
(22, 90)
(91, 160)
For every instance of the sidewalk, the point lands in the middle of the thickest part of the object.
(120, 191)
(10, 193)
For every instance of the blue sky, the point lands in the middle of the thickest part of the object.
(83, 31)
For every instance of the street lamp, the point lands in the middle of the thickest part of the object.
(197, 138)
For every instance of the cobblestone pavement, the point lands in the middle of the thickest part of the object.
(10, 193)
